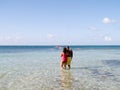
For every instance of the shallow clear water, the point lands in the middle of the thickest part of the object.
(37, 68)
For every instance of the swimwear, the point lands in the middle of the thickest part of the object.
(64, 57)
(69, 59)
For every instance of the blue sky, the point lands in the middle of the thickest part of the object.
(59, 22)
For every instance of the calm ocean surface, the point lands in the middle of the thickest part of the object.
(37, 68)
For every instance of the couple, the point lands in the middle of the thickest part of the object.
(66, 56)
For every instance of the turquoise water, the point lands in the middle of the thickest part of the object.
(37, 68)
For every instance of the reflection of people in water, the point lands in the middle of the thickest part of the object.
(66, 79)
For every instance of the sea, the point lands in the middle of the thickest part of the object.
(38, 68)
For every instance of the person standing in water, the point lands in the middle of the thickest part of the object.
(69, 56)
(64, 59)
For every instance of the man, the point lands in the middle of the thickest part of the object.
(69, 56)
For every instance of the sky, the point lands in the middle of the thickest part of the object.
(59, 22)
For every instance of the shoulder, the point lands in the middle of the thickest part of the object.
(62, 53)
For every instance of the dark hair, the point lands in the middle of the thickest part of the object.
(67, 47)
(64, 50)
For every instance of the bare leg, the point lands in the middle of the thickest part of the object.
(69, 66)
(64, 65)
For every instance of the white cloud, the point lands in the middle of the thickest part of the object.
(107, 20)
(107, 38)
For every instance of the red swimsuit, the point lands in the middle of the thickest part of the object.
(64, 57)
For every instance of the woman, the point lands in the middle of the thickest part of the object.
(63, 59)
